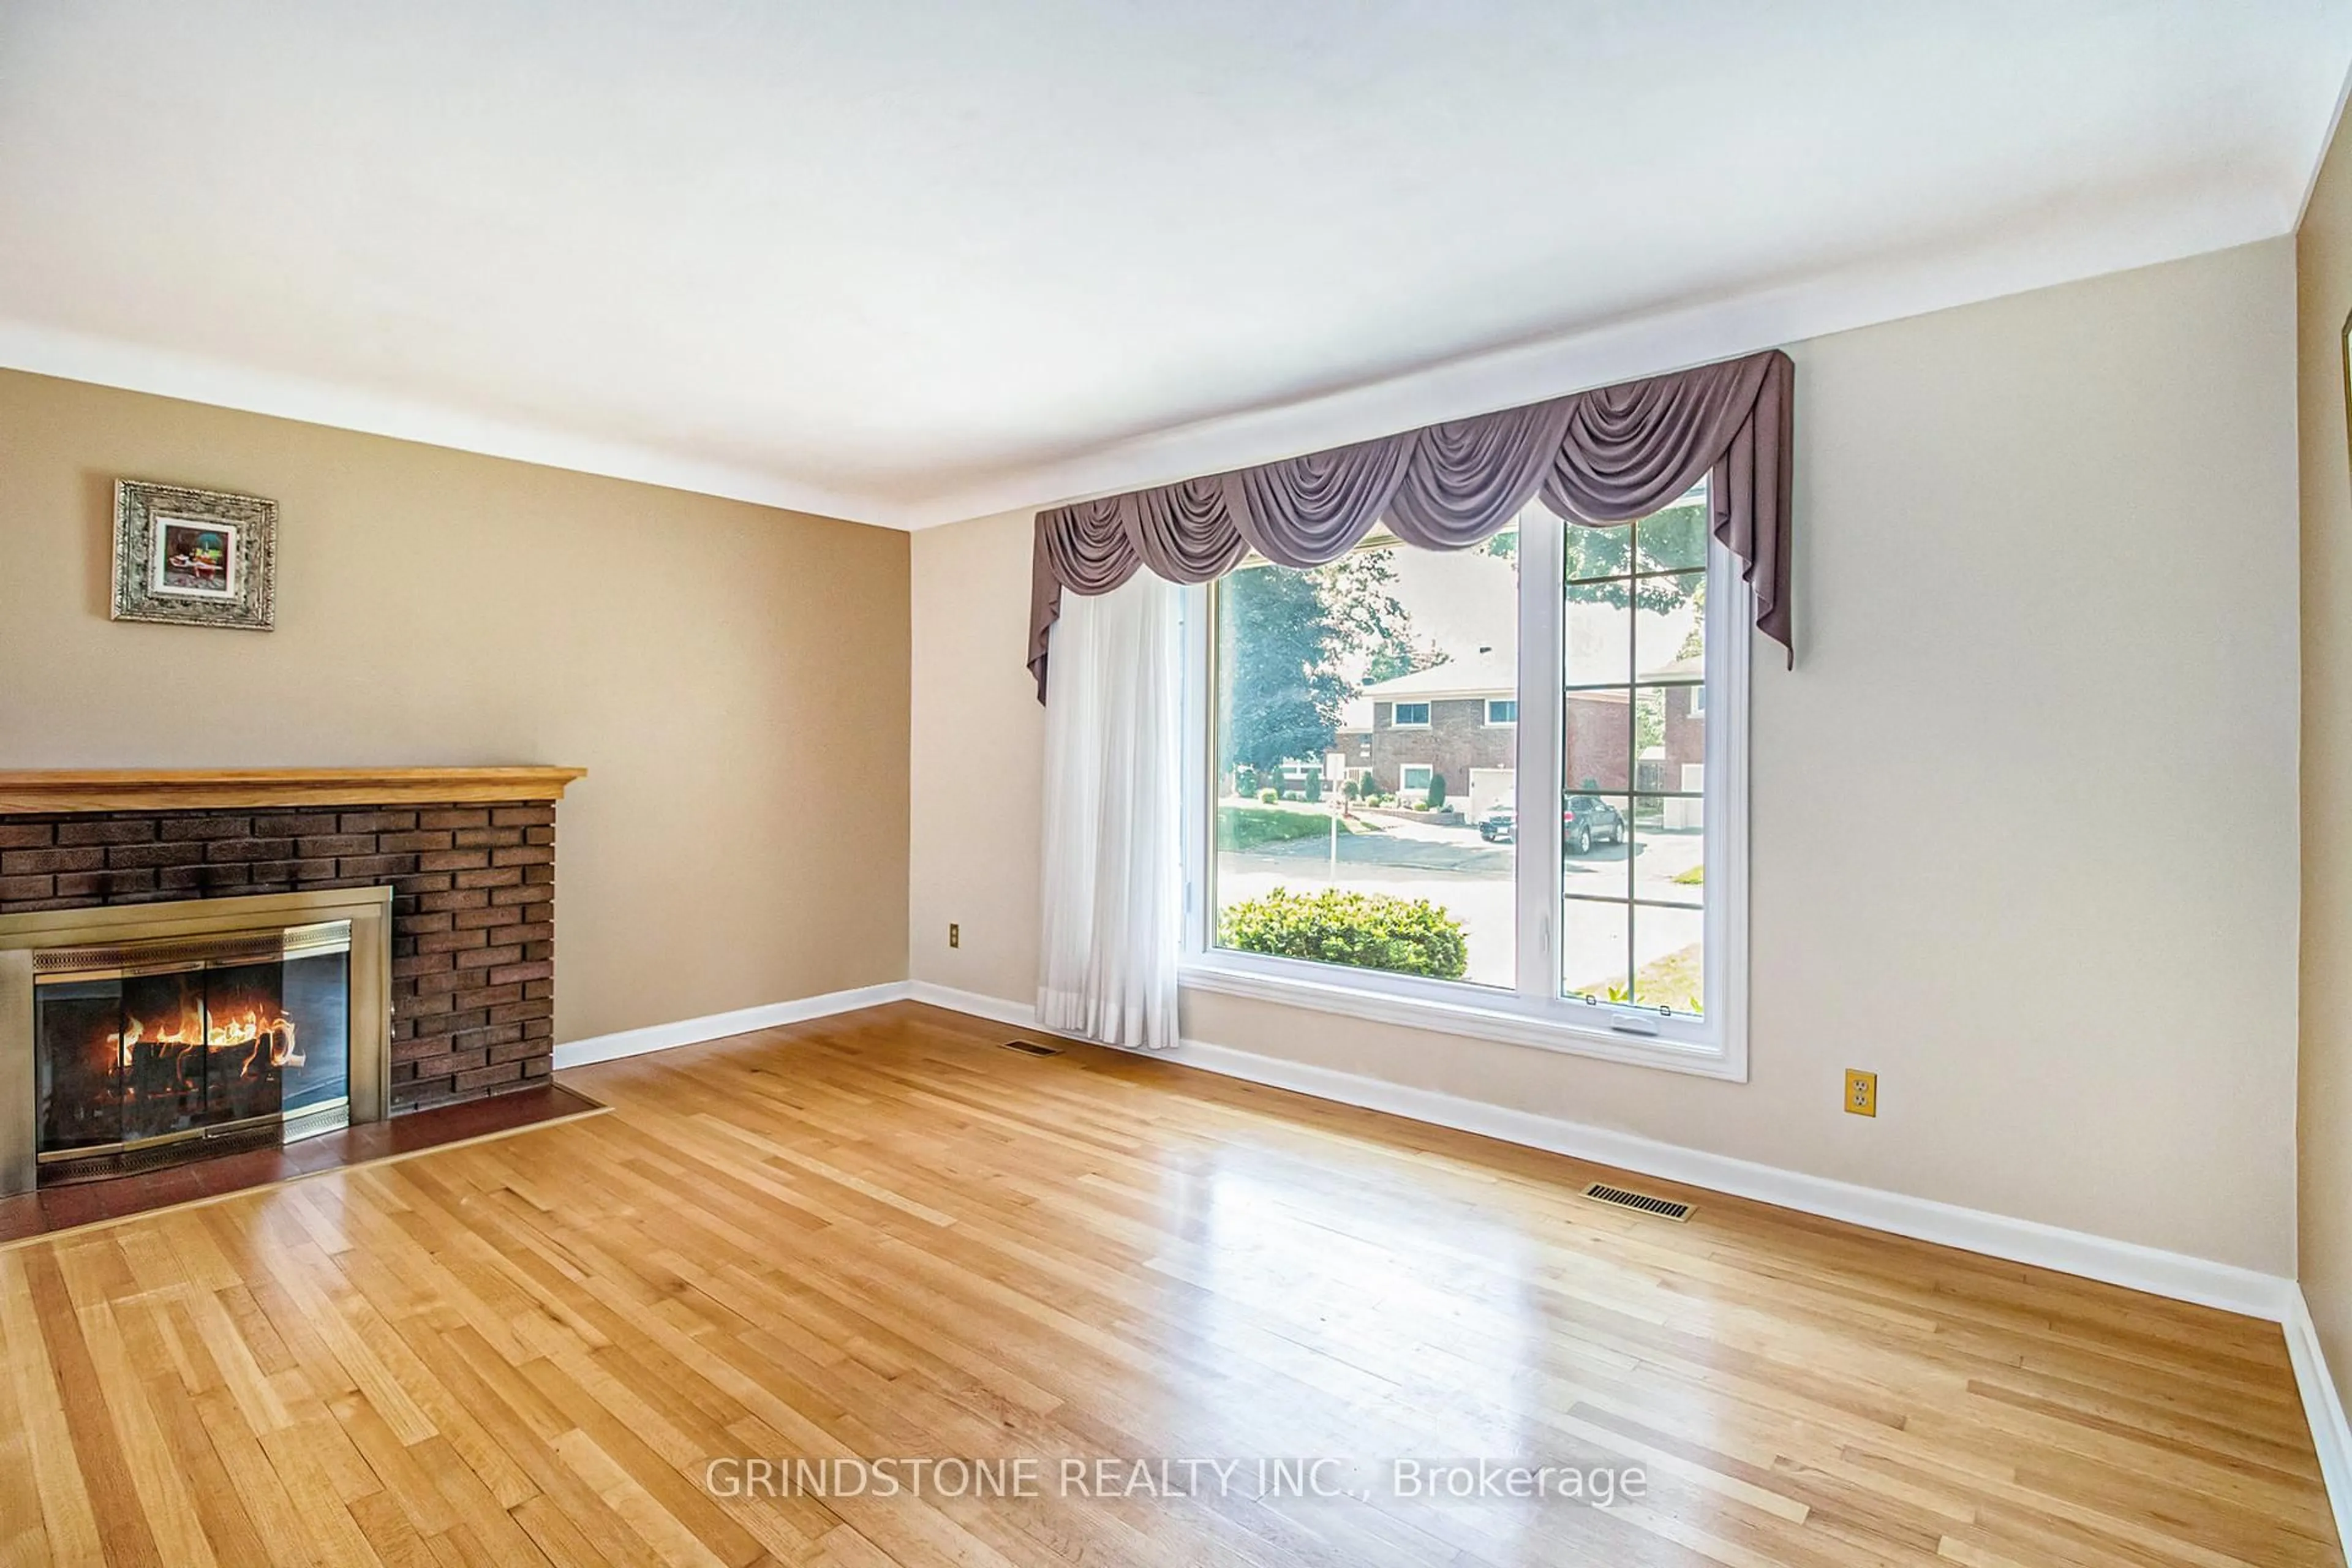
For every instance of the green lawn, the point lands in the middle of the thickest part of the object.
(1247, 826)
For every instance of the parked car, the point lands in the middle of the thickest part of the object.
(1500, 825)
(1586, 820)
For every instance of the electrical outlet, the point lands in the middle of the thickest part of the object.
(955, 934)
(1861, 1092)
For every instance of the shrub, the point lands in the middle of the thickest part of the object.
(1369, 930)
(1436, 791)
(1269, 796)
(1315, 783)
(1246, 780)
(1353, 789)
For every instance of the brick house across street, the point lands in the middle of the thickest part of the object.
(1460, 720)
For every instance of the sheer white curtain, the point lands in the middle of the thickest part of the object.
(1114, 877)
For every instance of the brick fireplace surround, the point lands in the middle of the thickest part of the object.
(469, 854)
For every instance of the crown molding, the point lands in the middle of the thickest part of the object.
(1672, 339)
(1866, 294)
(191, 378)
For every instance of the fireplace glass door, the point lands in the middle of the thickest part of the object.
(147, 1053)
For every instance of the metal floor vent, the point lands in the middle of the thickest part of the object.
(1032, 1048)
(1641, 1202)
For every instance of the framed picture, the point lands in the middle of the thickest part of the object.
(196, 558)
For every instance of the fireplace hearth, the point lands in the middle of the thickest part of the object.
(139, 1036)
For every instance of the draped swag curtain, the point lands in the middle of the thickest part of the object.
(1596, 457)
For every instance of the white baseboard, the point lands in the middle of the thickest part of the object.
(2324, 1410)
(996, 1009)
(2125, 1263)
(719, 1026)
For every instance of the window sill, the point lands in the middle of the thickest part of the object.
(1549, 1032)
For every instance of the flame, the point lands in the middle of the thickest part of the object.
(267, 1036)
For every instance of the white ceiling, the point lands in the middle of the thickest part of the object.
(911, 260)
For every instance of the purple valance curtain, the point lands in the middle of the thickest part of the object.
(1596, 457)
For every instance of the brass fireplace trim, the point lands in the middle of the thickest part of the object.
(369, 911)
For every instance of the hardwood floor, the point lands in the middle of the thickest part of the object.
(884, 1235)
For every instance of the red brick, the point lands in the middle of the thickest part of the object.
(410, 843)
(541, 876)
(202, 878)
(453, 859)
(450, 941)
(106, 830)
(180, 828)
(104, 884)
(539, 1067)
(377, 864)
(414, 1051)
(481, 1077)
(26, 834)
(155, 855)
(523, 817)
(484, 957)
(13, 888)
(496, 876)
(539, 835)
(468, 817)
(445, 983)
(494, 997)
(522, 1012)
(514, 895)
(523, 854)
(426, 883)
(488, 837)
(506, 973)
(249, 850)
(422, 925)
(35, 862)
(455, 1062)
(292, 870)
(516, 1050)
(534, 932)
(469, 899)
(294, 825)
(375, 821)
(539, 1028)
(417, 965)
(336, 844)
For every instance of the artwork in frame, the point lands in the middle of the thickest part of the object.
(196, 558)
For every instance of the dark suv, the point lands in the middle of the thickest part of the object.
(1586, 820)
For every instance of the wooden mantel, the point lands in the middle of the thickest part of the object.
(201, 789)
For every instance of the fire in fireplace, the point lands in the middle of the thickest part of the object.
(149, 1053)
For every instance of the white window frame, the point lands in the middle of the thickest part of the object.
(1428, 771)
(1535, 1013)
(1420, 723)
(1494, 724)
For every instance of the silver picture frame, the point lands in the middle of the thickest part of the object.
(194, 558)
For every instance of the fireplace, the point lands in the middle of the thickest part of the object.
(143, 1036)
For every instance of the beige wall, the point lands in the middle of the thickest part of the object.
(2025, 819)
(2324, 1207)
(733, 678)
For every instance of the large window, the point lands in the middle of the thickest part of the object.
(1372, 741)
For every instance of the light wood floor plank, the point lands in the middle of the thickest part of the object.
(882, 1235)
